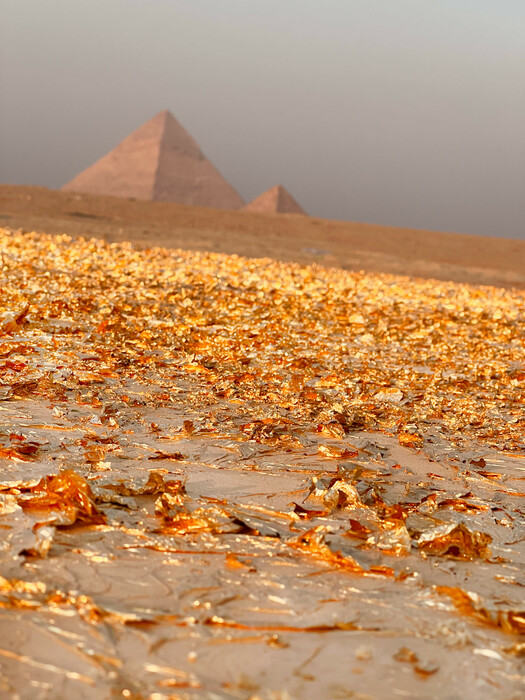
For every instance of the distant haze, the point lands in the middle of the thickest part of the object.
(401, 112)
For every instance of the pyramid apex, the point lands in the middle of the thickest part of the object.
(163, 114)
(160, 120)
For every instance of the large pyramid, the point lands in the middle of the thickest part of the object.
(276, 200)
(159, 161)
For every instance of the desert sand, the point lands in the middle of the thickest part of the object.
(345, 245)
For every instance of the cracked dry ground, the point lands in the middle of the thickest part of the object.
(230, 478)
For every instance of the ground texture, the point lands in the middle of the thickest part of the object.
(303, 239)
(233, 478)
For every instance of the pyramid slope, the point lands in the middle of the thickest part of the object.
(159, 161)
(183, 169)
(276, 200)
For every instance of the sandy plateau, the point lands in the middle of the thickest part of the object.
(224, 477)
(289, 238)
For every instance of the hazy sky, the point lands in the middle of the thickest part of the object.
(402, 112)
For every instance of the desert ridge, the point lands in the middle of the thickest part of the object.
(276, 200)
(159, 161)
(301, 239)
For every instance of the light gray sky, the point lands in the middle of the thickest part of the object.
(401, 112)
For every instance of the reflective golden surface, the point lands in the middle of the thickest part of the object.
(234, 478)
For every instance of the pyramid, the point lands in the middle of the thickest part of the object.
(276, 200)
(159, 161)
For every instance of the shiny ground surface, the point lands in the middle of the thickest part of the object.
(226, 478)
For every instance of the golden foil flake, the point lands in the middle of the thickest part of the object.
(332, 429)
(313, 543)
(392, 537)
(455, 541)
(336, 452)
(44, 535)
(155, 483)
(23, 452)
(424, 669)
(62, 499)
(11, 323)
(9, 586)
(177, 519)
(410, 440)
(471, 604)
(334, 493)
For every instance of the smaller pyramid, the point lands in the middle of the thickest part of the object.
(276, 200)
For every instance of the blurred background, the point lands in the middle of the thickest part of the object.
(407, 113)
